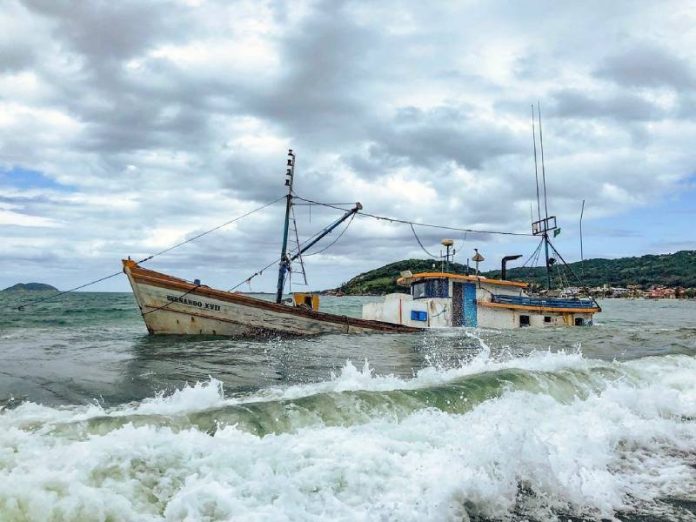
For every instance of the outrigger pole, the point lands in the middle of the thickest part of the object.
(357, 208)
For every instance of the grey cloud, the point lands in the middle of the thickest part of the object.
(572, 103)
(15, 57)
(647, 65)
(124, 110)
(107, 31)
(430, 138)
(686, 105)
(325, 61)
(145, 125)
(254, 178)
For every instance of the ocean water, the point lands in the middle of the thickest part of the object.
(99, 421)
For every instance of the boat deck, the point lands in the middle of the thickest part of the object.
(545, 302)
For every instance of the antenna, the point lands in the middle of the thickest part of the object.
(448, 244)
(536, 167)
(582, 257)
(543, 168)
(546, 207)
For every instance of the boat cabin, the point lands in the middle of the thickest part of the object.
(441, 299)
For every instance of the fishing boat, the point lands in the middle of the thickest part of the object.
(444, 299)
(171, 305)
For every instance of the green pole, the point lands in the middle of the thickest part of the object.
(284, 262)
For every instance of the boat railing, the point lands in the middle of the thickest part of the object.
(553, 302)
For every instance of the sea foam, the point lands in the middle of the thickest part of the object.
(527, 453)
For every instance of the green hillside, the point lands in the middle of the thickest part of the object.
(383, 280)
(672, 270)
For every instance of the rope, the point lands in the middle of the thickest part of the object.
(406, 222)
(37, 301)
(148, 258)
(419, 242)
(533, 254)
(252, 276)
(580, 282)
(211, 230)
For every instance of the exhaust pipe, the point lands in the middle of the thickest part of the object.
(503, 268)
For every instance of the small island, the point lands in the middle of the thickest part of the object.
(30, 287)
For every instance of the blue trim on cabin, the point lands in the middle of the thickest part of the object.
(419, 315)
(553, 302)
(469, 305)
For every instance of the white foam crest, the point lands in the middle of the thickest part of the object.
(350, 378)
(200, 396)
(30, 416)
(210, 394)
(590, 457)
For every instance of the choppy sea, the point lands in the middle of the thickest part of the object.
(99, 421)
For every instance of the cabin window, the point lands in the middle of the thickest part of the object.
(524, 320)
(418, 290)
(579, 321)
(547, 319)
(430, 288)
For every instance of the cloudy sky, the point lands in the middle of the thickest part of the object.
(128, 126)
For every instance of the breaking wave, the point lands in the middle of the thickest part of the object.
(544, 436)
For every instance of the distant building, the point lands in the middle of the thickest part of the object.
(571, 291)
(661, 292)
(619, 292)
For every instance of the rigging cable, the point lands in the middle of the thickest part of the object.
(572, 271)
(211, 230)
(276, 260)
(407, 222)
(335, 240)
(148, 258)
(535, 253)
(419, 242)
(37, 301)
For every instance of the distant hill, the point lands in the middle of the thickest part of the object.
(672, 270)
(30, 287)
(383, 280)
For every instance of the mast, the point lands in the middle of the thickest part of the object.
(548, 266)
(284, 261)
